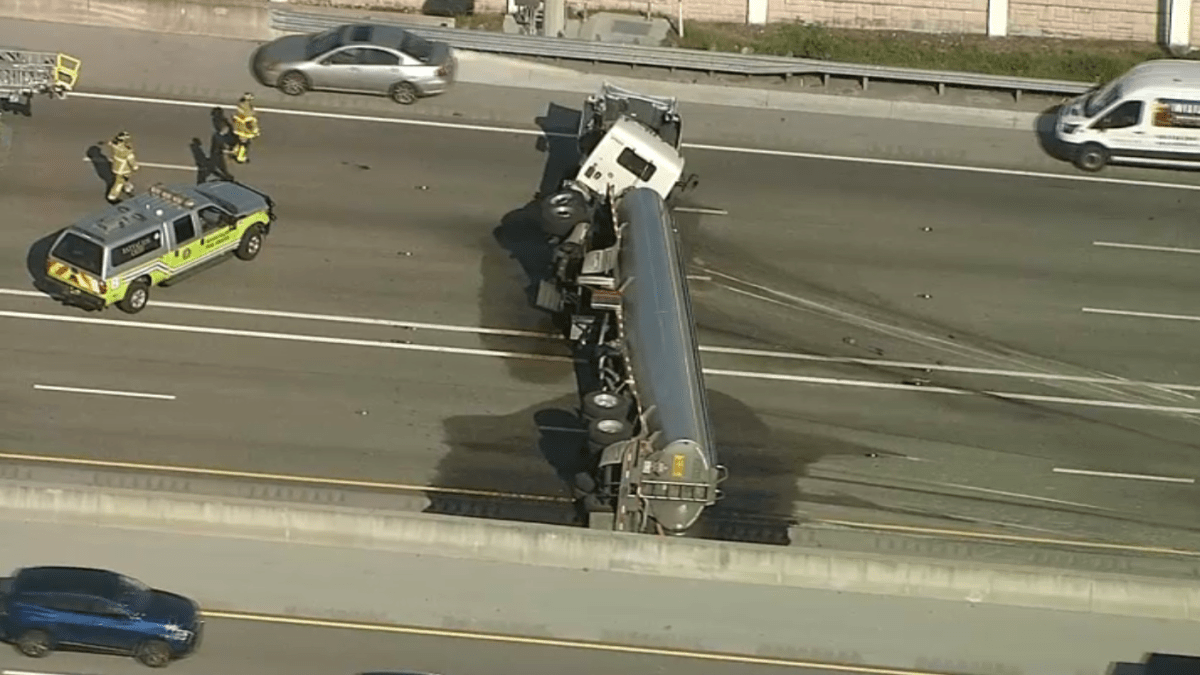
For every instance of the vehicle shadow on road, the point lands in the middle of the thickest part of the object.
(533, 451)
(558, 141)
(518, 255)
(35, 263)
(102, 165)
(1049, 143)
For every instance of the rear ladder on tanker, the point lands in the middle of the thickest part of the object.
(25, 74)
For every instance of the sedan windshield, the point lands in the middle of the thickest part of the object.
(323, 42)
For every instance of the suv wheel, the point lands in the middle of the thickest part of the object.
(155, 654)
(251, 244)
(136, 297)
(34, 643)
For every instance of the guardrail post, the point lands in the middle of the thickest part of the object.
(997, 18)
(1178, 26)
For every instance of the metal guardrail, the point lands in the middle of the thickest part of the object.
(669, 58)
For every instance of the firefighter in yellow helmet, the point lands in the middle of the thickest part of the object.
(124, 164)
(245, 128)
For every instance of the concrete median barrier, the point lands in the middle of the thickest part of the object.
(574, 548)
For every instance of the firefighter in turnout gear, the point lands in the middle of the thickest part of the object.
(245, 128)
(124, 164)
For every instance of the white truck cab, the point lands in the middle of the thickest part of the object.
(1149, 115)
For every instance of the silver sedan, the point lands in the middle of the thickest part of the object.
(359, 58)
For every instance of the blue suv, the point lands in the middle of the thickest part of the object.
(48, 608)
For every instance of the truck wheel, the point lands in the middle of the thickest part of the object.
(1092, 157)
(561, 211)
(604, 432)
(293, 83)
(251, 244)
(34, 643)
(137, 296)
(155, 654)
(601, 404)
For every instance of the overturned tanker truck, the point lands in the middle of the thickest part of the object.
(618, 283)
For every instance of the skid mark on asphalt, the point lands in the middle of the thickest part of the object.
(763, 293)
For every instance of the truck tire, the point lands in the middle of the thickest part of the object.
(561, 211)
(602, 404)
(137, 296)
(251, 244)
(582, 485)
(604, 432)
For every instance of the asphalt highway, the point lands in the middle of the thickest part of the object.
(420, 224)
(233, 647)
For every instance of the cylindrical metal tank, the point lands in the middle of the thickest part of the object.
(664, 360)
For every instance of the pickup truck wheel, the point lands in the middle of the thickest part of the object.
(155, 654)
(1092, 157)
(34, 643)
(251, 244)
(136, 297)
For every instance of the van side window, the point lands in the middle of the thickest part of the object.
(1176, 113)
(1126, 115)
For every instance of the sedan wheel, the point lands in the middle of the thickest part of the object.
(293, 84)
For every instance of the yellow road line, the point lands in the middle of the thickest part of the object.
(554, 642)
(402, 487)
(281, 477)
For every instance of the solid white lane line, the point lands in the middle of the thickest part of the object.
(955, 392)
(103, 392)
(1141, 315)
(945, 167)
(934, 367)
(695, 146)
(735, 351)
(331, 318)
(152, 165)
(1146, 247)
(291, 337)
(701, 210)
(1132, 476)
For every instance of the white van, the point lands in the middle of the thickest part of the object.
(1149, 115)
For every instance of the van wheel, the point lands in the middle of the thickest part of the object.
(404, 93)
(34, 644)
(251, 244)
(1092, 157)
(136, 297)
(155, 654)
